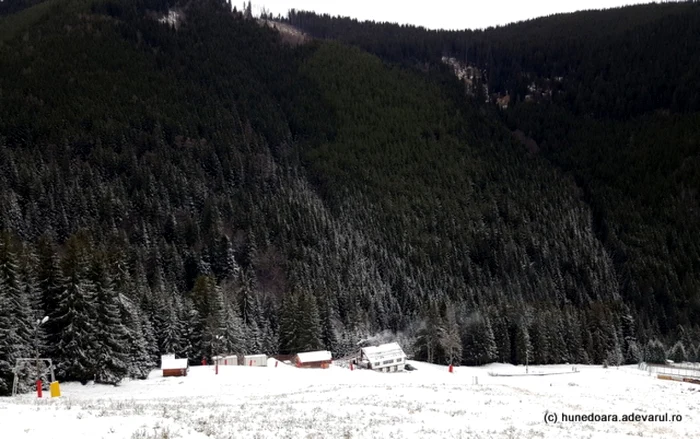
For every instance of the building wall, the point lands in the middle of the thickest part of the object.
(313, 365)
(174, 372)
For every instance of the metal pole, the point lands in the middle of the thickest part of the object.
(36, 353)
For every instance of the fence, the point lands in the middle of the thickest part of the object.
(686, 372)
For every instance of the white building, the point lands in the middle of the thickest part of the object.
(255, 360)
(226, 360)
(383, 358)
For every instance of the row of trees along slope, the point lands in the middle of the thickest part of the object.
(204, 187)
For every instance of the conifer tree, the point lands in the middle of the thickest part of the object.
(192, 330)
(678, 353)
(478, 340)
(329, 339)
(76, 316)
(139, 363)
(16, 328)
(309, 328)
(450, 339)
(289, 325)
(523, 346)
(502, 338)
(234, 336)
(111, 358)
(655, 352)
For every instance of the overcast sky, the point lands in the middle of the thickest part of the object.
(435, 14)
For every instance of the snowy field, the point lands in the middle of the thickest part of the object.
(285, 402)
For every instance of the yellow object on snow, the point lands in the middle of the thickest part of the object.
(55, 389)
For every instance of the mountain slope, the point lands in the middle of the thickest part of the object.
(610, 98)
(220, 190)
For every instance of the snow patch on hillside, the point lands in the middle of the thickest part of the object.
(172, 18)
(288, 32)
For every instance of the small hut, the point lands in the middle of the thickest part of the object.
(259, 360)
(313, 360)
(173, 367)
(226, 360)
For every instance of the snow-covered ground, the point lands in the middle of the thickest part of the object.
(285, 402)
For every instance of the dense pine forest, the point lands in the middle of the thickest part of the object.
(200, 185)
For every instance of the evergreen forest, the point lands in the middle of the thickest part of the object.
(179, 177)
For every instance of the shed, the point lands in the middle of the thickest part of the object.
(226, 360)
(259, 360)
(314, 360)
(388, 357)
(173, 367)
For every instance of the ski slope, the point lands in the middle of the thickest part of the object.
(285, 402)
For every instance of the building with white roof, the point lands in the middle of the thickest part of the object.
(172, 366)
(388, 357)
(315, 359)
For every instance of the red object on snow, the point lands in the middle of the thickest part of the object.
(216, 368)
(275, 364)
(250, 363)
(39, 388)
(204, 361)
(451, 369)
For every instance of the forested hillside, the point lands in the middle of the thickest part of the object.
(202, 187)
(610, 98)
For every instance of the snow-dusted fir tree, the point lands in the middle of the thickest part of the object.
(191, 332)
(234, 336)
(253, 338)
(76, 317)
(309, 332)
(328, 332)
(170, 328)
(678, 353)
(289, 324)
(502, 336)
(16, 336)
(523, 346)
(450, 339)
(27, 264)
(269, 341)
(111, 357)
(140, 363)
(614, 355)
(50, 283)
(479, 343)
(655, 352)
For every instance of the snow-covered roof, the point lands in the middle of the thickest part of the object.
(252, 356)
(383, 352)
(311, 357)
(173, 363)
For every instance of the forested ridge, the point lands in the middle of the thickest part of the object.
(204, 187)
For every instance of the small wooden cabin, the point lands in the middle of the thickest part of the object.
(313, 360)
(173, 367)
(388, 357)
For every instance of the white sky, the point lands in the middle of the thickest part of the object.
(436, 14)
